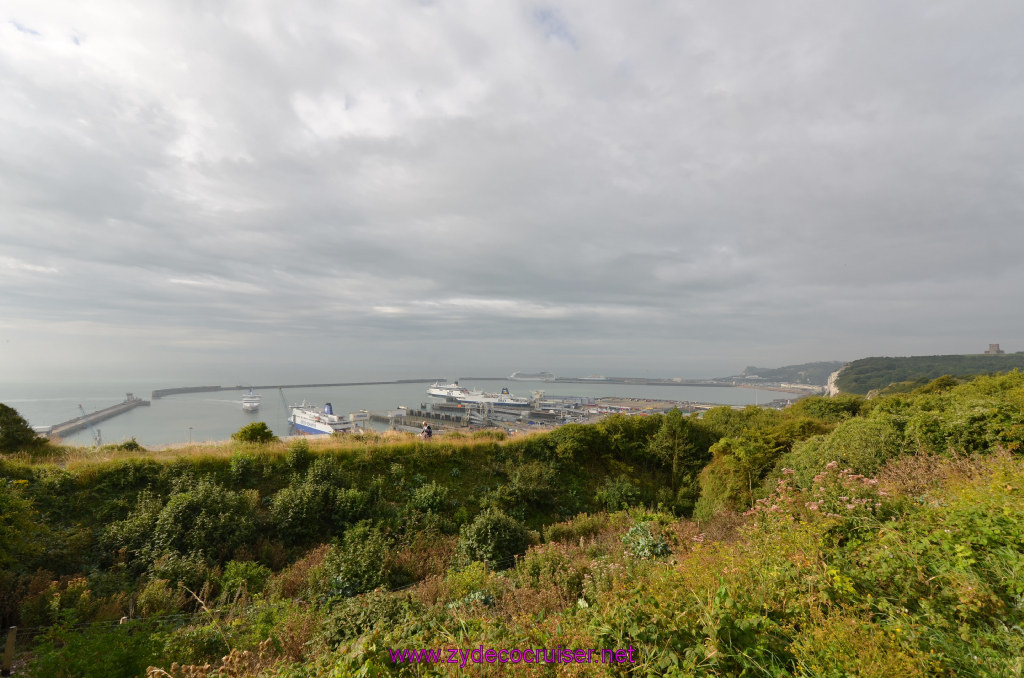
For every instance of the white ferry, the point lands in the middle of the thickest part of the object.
(503, 399)
(452, 390)
(251, 401)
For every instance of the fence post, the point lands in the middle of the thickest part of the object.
(9, 651)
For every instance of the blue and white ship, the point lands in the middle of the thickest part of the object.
(310, 420)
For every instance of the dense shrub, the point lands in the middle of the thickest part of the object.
(315, 508)
(493, 538)
(353, 617)
(101, 651)
(208, 520)
(359, 563)
(862, 445)
(583, 526)
(617, 494)
(15, 433)
(19, 531)
(532, 486)
(159, 597)
(431, 497)
(298, 456)
(832, 409)
(256, 432)
(244, 575)
(737, 467)
(644, 544)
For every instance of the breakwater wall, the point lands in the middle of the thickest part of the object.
(163, 392)
(78, 423)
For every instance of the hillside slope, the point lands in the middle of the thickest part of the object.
(868, 374)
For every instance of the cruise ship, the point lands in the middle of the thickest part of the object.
(531, 376)
(310, 420)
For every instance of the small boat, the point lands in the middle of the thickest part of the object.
(251, 401)
(452, 390)
(310, 420)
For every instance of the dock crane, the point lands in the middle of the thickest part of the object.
(287, 410)
(97, 439)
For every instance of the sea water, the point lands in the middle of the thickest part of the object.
(215, 416)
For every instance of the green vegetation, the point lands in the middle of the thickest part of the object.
(870, 374)
(837, 537)
(256, 432)
(807, 373)
(15, 433)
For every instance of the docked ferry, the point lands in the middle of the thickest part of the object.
(452, 390)
(503, 399)
(310, 420)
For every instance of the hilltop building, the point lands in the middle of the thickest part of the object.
(993, 349)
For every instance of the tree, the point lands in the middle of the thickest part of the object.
(682, 444)
(15, 433)
(256, 432)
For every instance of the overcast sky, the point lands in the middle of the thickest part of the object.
(248, 190)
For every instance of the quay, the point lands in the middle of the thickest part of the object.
(130, 402)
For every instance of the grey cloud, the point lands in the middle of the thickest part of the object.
(689, 186)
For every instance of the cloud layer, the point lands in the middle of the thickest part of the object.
(364, 188)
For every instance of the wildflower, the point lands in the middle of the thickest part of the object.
(851, 506)
(788, 471)
(831, 465)
(813, 505)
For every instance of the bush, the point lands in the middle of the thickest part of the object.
(493, 538)
(430, 498)
(360, 563)
(618, 494)
(160, 598)
(862, 445)
(354, 617)
(122, 651)
(19, 531)
(238, 574)
(581, 527)
(196, 644)
(208, 520)
(644, 544)
(242, 468)
(298, 456)
(15, 433)
(131, 445)
(256, 432)
(311, 509)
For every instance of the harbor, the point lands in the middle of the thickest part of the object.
(213, 412)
